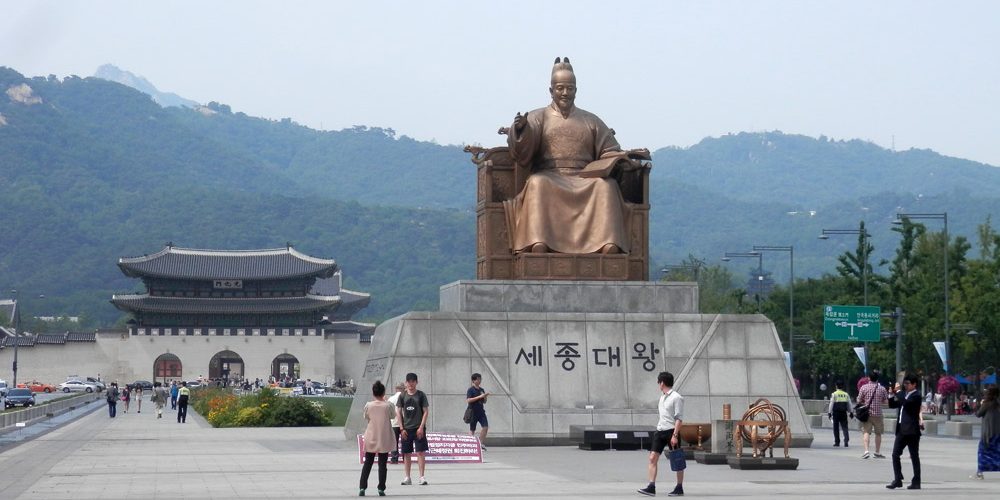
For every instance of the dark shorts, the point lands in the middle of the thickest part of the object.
(661, 441)
(410, 442)
(478, 417)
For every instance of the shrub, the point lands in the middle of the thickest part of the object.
(265, 409)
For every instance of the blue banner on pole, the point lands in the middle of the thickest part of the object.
(860, 351)
(942, 353)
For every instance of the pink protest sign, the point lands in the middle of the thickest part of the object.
(443, 448)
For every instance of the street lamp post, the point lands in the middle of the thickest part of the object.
(943, 216)
(974, 335)
(760, 266)
(17, 330)
(791, 293)
(863, 233)
(947, 320)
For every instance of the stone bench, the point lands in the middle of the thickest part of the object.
(957, 429)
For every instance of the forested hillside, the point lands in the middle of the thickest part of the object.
(91, 170)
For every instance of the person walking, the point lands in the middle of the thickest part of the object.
(476, 398)
(668, 428)
(379, 439)
(183, 394)
(874, 395)
(173, 395)
(138, 397)
(159, 398)
(395, 421)
(127, 396)
(112, 397)
(908, 400)
(840, 408)
(989, 443)
(412, 410)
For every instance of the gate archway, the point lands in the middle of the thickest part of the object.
(285, 365)
(225, 365)
(166, 368)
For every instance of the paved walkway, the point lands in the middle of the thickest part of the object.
(136, 456)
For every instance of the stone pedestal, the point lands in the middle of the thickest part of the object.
(556, 354)
(762, 463)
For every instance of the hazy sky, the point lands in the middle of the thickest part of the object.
(662, 73)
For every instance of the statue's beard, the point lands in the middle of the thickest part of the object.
(564, 105)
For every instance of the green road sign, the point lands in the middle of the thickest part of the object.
(852, 323)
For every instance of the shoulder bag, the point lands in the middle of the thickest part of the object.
(861, 410)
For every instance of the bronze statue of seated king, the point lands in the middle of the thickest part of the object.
(562, 200)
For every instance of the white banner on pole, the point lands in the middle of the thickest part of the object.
(860, 351)
(788, 360)
(942, 353)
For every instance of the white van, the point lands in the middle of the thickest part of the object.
(3, 388)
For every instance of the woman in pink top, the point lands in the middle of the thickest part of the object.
(379, 438)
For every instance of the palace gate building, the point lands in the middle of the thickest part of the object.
(217, 314)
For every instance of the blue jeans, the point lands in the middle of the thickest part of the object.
(112, 408)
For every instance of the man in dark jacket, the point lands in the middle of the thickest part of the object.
(112, 397)
(908, 401)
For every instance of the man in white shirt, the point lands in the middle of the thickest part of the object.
(395, 421)
(668, 428)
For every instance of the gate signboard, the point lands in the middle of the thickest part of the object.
(852, 323)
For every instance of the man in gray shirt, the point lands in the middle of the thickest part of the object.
(412, 410)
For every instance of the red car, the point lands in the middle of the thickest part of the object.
(37, 386)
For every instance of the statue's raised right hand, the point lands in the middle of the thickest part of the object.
(520, 121)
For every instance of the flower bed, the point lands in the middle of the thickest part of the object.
(265, 409)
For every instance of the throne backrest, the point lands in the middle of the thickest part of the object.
(499, 179)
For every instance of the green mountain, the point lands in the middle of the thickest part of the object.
(92, 170)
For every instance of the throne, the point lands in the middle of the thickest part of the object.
(500, 179)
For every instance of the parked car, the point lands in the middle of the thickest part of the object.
(3, 388)
(193, 384)
(318, 388)
(144, 384)
(89, 380)
(77, 386)
(37, 386)
(19, 397)
(93, 380)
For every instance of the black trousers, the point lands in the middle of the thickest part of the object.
(840, 422)
(383, 469)
(112, 408)
(395, 452)
(911, 441)
(182, 410)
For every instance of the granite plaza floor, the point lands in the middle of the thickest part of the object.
(136, 456)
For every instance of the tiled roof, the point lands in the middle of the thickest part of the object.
(351, 301)
(187, 263)
(50, 338)
(243, 305)
(81, 337)
(25, 341)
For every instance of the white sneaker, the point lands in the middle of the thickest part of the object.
(406, 481)
(978, 475)
(866, 455)
(422, 481)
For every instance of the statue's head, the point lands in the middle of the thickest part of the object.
(563, 85)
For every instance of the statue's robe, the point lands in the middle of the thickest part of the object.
(568, 213)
